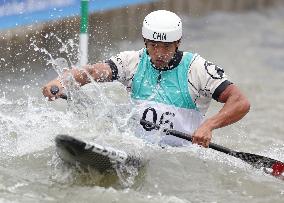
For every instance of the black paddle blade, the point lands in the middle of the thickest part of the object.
(261, 161)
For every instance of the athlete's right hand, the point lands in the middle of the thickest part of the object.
(48, 90)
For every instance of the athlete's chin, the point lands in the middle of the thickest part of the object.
(160, 64)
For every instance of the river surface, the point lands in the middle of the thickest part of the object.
(248, 45)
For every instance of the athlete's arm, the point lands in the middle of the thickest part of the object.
(236, 106)
(100, 72)
(120, 67)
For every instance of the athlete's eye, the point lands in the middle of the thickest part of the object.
(153, 45)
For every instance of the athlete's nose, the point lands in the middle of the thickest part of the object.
(160, 49)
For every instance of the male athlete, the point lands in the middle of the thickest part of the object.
(170, 87)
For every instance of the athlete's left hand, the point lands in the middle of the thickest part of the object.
(202, 136)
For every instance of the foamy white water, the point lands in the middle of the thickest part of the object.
(249, 46)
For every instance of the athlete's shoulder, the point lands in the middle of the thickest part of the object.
(125, 63)
(126, 56)
(205, 67)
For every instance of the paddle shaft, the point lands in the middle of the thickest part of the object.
(54, 90)
(187, 137)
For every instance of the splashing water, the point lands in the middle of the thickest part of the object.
(30, 171)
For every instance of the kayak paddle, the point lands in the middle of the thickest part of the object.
(252, 159)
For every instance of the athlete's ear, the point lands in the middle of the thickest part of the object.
(145, 42)
(177, 44)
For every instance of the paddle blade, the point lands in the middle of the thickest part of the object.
(261, 161)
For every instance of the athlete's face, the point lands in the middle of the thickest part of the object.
(161, 52)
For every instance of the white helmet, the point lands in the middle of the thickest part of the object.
(162, 25)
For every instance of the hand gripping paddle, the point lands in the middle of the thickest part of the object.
(54, 90)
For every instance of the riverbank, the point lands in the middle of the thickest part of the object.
(28, 45)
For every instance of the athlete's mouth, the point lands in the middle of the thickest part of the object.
(160, 62)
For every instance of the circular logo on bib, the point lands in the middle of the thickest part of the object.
(213, 70)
